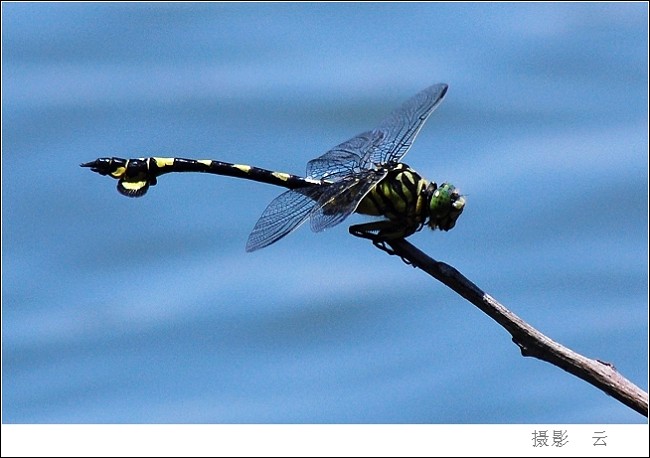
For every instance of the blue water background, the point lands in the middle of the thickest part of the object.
(149, 310)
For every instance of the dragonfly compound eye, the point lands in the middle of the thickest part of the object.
(445, 207)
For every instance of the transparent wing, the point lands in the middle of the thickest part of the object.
(399, 129)
(339, 200)
(284, 214)
(343, 160)
(353, 167)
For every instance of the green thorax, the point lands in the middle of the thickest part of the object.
(409, 201)
(400, 196)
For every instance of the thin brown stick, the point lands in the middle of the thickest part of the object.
(530, 341)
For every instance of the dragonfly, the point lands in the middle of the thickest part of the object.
(362, 175)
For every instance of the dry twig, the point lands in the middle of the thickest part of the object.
(533, 343)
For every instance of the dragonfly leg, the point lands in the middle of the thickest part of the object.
(379, 232)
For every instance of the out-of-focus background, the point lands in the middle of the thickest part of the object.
(148, 310)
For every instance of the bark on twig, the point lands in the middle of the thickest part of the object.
(530, 341)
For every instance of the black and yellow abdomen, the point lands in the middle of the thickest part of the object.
(136, 175)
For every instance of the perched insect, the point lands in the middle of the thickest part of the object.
(361, 175)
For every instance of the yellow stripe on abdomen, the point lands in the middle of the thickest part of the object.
(118, 172)
(163, 161)
(133, 185)
(242, 167)
(281, 176)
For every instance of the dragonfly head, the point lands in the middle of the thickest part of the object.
(445, 206)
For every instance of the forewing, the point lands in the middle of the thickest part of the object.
(345, 159)
(284, 214)
(341, 199)
(400, 128)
